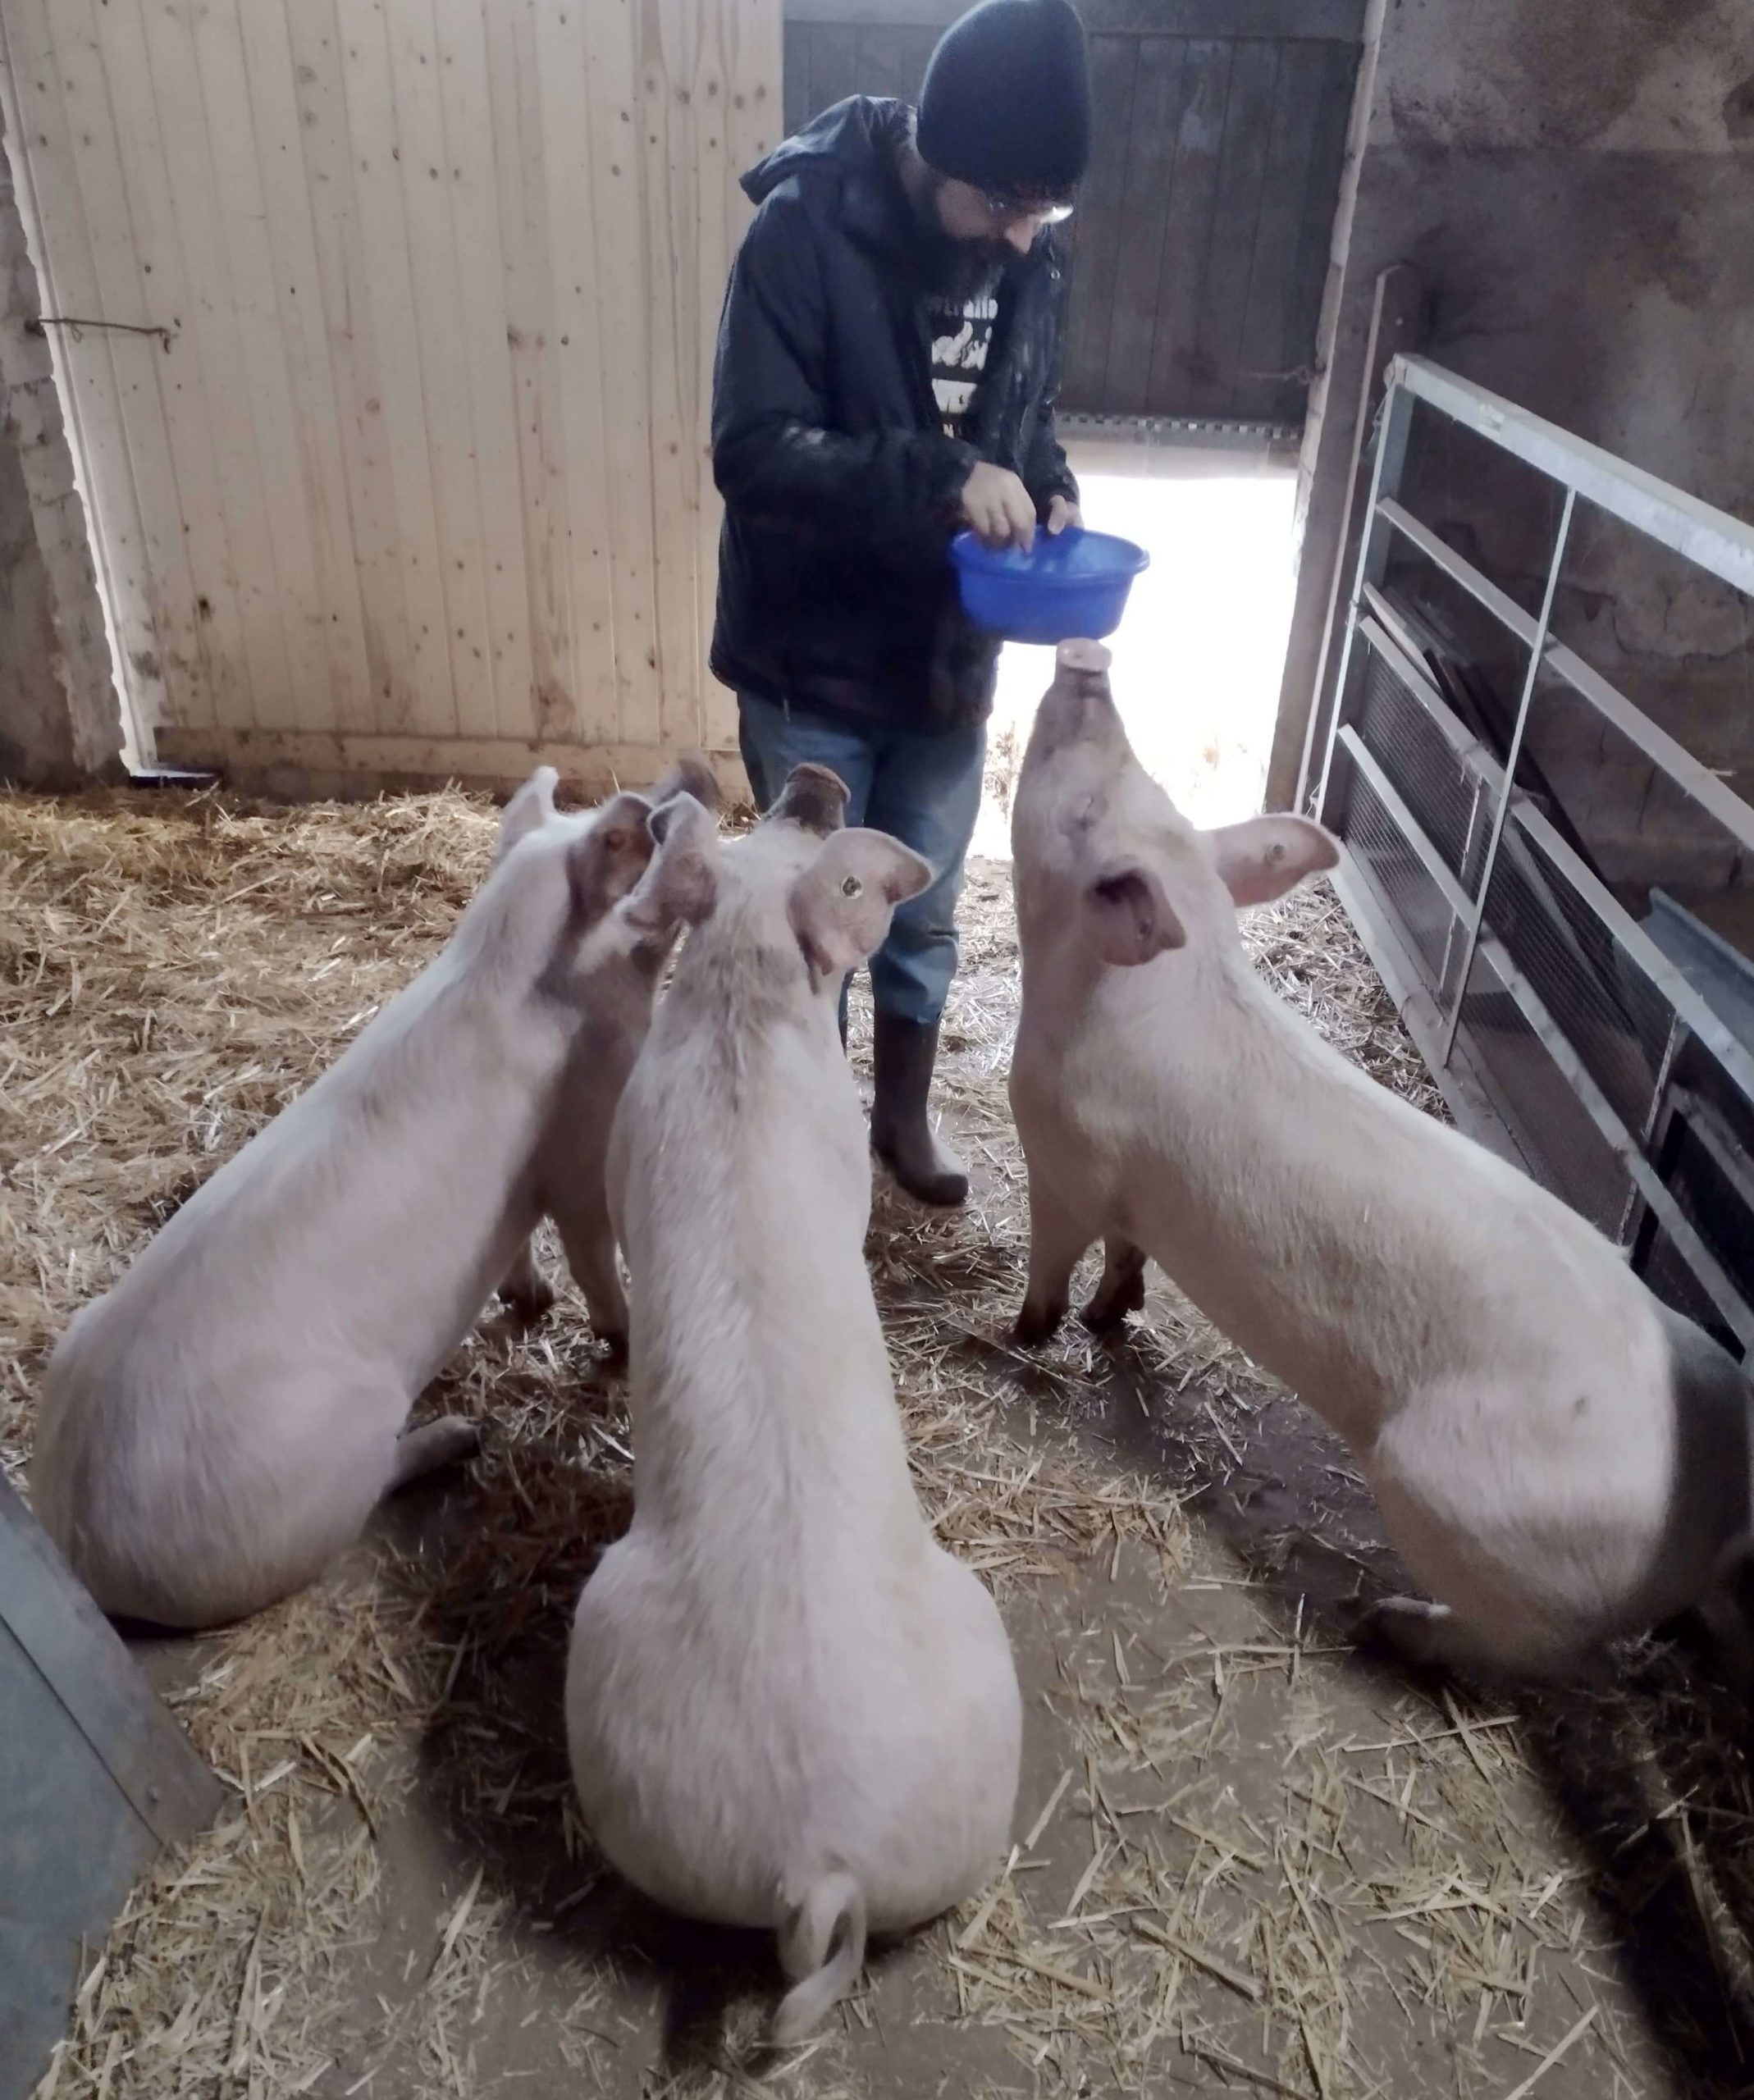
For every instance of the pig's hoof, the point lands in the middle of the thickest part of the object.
(1112, 1304)
(1036, 1325)
(1425, 1638)
(1729, 1643)
(1105, 1315)
(1409, 1628)
(445, 1442)
(615, 1341)
(530, 1302)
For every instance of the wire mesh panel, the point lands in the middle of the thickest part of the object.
(1702, 1152)
(1553, 1128)
(1711, 1199)
(1380, 848)
(1618, 1025)
(1400, 732)
(1666, 1270)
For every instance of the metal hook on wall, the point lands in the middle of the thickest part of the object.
(76, 328)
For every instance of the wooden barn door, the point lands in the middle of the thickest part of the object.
(1200, 244)
(385, 327)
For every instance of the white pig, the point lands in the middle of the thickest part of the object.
(568, 1170)
(786, 1706)
(1558, 1459)
(220, 1424)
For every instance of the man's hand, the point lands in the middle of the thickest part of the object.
(997, 507)
(1061, 511)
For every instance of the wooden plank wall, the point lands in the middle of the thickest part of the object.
(1200, 244)
(419, 486)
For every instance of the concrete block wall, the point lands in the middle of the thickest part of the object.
(59, 719)
(1575, 182)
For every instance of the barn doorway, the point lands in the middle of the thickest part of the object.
(1200, 246)
(1198, 658)
(1198, 255)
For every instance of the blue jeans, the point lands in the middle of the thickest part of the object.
(922, 789)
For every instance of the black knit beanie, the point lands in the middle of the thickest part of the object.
(1006, 104)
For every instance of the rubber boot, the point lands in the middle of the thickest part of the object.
(902, 1134)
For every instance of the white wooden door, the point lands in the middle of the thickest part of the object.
(414, 483)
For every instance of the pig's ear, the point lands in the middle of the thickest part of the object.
(690, 775)
(681, 886)
(840, 907)
(1132, 918)
(527, 811)
(610, 855)
(1261, 859)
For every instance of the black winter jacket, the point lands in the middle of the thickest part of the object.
(842, 491)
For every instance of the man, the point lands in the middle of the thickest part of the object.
(886, 373)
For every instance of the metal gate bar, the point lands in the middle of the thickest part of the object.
(1629, 1024)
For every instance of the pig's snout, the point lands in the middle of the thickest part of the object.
(1081, 681)
(1079, 707)
(812, 797)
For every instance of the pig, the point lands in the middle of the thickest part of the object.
(568, 1170)
(1560, 1461)
(219, 1425)
(786, 1706)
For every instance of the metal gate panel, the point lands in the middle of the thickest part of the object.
(95, 1776)
(1200, 245)
(1559, 1029)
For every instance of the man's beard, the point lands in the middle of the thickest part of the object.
(956, 270)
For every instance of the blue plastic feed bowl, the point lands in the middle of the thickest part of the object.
(1071, 586)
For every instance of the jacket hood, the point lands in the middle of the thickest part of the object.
(852, 139)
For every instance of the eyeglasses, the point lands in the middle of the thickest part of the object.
(1005, 210)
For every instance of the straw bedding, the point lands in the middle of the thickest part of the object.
(1243, 1862)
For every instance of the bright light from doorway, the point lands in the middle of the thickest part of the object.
(1198, 658)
